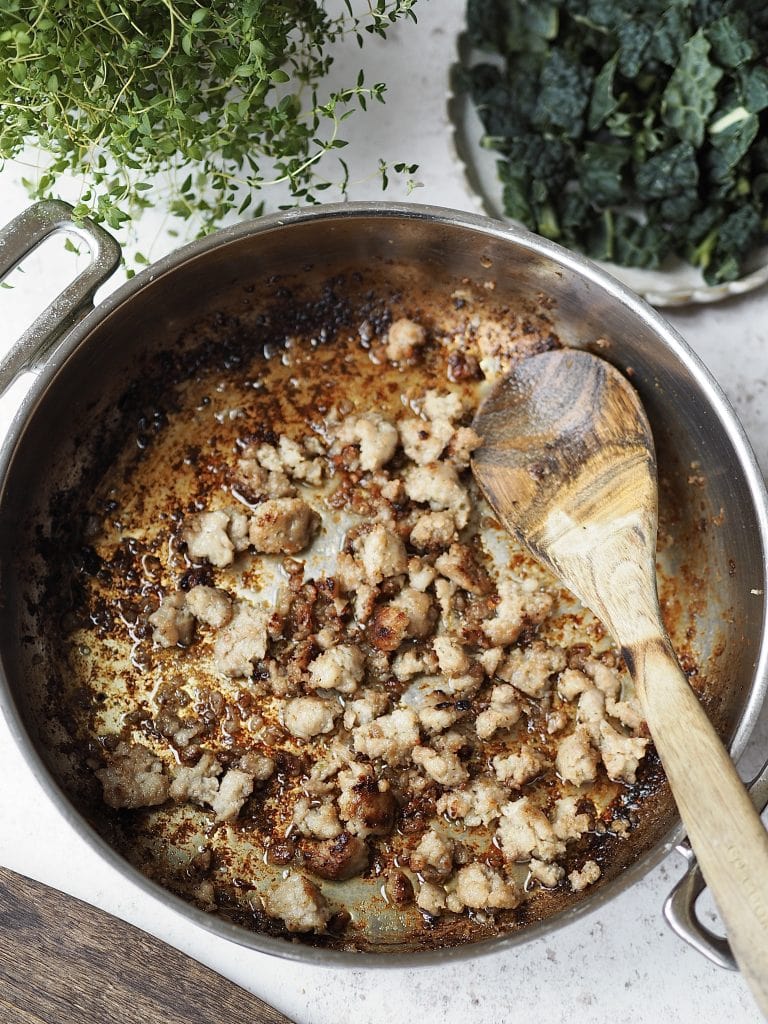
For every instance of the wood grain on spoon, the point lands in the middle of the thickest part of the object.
(568, 465)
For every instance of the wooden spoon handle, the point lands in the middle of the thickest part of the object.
(725, 831)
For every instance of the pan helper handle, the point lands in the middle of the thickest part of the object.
(680, 906)
(17, 240)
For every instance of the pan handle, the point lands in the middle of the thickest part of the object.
(17, 240)
(680, 906)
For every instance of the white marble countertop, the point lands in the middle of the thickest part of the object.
(621, 964)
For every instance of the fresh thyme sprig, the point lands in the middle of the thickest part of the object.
(218, 101)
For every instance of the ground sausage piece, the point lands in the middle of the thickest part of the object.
(451, 656)
(421, 575)
(525, 831)
(547, 874)
(576, 760)
(621, 754)
(459, 565)
(242, 642)
(515, 770)
(281, 526)
(482, 888)
(339, 668)
(365, 804)
(502, 713)
(423, 441)
(291, 457)
(438, 712)
(317, 822)
(390, 737)
(413, 662)
(364, 710)
(567, 822)
(433, 855)
(490, 659)
(587, 876)
(516, 609)
(257, 765)
(399, 888)
(605, 678)
(419, 609)
(207, 538)
(434, 531)
(464, 441)
(389, 627)
(133, 777)
(299, 904)
(531, 670)
(210, 605)
(198, 783)
(234, 789)
(591, 712)
(336, 859)
(403, 338)
(376, 436)
(383, 554)
(431, 899)
(628, 712)
(571, 683)
(438, 486)
(238, 530)
(173, 623)
(306, 717)
(444, 768)
(479, 804)
(260, 483)
(448, 406)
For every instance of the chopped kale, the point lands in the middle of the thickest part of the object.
(634, 132)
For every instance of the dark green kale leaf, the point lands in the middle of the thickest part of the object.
(671, 32)
(531, 26)
(547, 159)
(603, 102)
(731, 42)
(738, 233)
(516, 183)
(677, 210)
(731, 136)
(485, 19)
(564, 90)
(635, 37)
(754, 86)
(668, 173)
(690, 96)
(641, 245)
(574, 210)
(499, 109)
(599, 236)
(600, 172)
(706, 11)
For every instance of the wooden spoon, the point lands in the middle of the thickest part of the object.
(568, 465)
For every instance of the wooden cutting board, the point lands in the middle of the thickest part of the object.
(64, 962)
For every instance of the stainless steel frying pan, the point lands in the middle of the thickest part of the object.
(82, 359)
